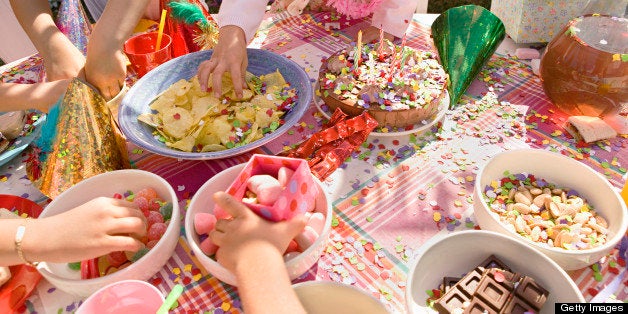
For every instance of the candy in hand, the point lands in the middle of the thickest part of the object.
(204, 223)
(265, 187)
(306, 238)
(284, 175)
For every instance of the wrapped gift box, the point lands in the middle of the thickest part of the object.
(536, 21)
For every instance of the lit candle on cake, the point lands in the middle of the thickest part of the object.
(358, 50)
(380, 48)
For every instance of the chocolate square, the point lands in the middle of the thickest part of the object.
(449, 282)
(477, 306)
(531, 292)
(453, 299)
(492, 292)
(518, 306)
(470, 281)
(494, 262)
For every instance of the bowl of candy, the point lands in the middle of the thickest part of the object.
(322, 297)
(303, 252)
(551, 202)
(157, 200)
(485, 272)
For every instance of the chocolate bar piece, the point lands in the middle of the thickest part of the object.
(506, 292)
(494, 262)
(448, 282)
(492, 287)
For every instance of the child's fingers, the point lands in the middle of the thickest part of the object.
(125, 243)
(128, 225)
(217, 237)
(230, 204)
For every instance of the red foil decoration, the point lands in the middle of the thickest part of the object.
(327, 149)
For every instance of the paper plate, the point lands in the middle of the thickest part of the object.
(144, 91)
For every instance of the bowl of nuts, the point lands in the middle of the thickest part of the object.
(560, 206)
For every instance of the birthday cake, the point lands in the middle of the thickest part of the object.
(398, 86)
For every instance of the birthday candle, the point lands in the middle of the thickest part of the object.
(381, 41)
(358, 50)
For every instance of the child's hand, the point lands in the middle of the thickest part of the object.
(246, 234)
(371, 35)
(96, 228)
(229, 56)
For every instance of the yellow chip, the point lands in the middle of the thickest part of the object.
(176, 121)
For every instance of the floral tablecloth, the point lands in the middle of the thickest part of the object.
(392, 194)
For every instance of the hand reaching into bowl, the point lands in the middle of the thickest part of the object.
(96, 228)
(252, 249)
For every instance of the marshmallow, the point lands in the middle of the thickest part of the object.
(316, 222)
(204, 223)
(284, 176)
(5, 275)
(306, 238)
(265, 187)
(208, 247)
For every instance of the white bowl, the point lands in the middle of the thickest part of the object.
(126, 296)
(457, 253)
(323, 297)
(107, 184)
(564, 172)
(202, 201)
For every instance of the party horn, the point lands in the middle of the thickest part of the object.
(78, 140)
(466, 37)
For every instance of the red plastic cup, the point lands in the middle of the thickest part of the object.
(140, 49)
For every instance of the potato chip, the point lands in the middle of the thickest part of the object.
(189, 119)
(176, 121)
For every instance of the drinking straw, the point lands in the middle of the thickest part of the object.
(160, 33)
(172, 297)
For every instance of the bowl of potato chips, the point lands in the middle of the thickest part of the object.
(167, 113)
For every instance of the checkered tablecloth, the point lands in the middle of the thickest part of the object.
(393, 194)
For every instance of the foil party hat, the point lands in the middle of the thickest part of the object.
(78, 140)
(466, 37)
(73, 22)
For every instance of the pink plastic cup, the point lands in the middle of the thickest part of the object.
(140, 49)
(126, 296)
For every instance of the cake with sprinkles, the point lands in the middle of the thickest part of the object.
(399, 86)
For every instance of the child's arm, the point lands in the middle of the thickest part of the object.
(252, 248)
(394, 16)
(96, 228)
(61, 58)
(40, 96)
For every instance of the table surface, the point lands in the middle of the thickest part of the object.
(373, 243)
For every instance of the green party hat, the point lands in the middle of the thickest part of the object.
(466, 37)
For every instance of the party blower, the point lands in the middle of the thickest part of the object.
(78, 140)
(466, 37)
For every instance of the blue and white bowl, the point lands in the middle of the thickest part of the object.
(145, 90)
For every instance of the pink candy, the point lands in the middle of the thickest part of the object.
(283, 176)
(208, 247)
(306, 238)
(265, 187)
(204, 223)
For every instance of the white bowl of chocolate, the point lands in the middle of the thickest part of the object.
(483, 271)
(399, 86)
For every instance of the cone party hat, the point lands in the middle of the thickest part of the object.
(466, 37)
(78, 140)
